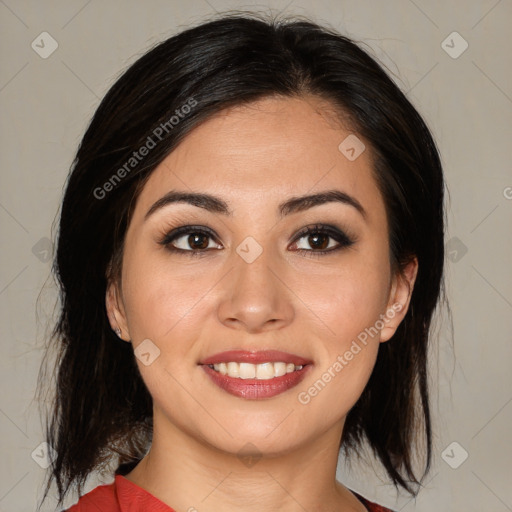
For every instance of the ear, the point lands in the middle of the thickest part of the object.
(399, 298)
(115, 310)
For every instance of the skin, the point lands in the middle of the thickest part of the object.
(254, 157)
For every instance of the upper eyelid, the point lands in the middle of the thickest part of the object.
(183, 230)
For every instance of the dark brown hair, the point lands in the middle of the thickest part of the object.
(102, 411)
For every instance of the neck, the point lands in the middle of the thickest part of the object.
(191, 476)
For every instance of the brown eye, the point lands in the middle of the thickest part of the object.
(189, 239)
(198, 241)
(321, 239)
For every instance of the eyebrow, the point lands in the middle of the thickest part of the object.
(295, 204)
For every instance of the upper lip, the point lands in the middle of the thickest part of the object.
(255, 357)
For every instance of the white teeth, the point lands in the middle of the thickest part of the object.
(279, 369)
(247, 371)
(221, 368)
(263, 371)
(233, 369)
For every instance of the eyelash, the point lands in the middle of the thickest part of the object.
(342, 238)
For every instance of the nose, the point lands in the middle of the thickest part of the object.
(255, 297)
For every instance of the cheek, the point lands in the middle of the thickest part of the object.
(349, 304)
(160, 293)
(349, 299)
(352, 301)
(157, 299)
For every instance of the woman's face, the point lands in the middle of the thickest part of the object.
(245, 277)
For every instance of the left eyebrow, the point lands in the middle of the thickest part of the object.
(301, 203)
(293, 205)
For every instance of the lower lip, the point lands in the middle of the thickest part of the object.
(255, 389)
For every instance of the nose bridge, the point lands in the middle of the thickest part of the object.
(255, 299)
(252, 267)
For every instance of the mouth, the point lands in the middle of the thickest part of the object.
(256, 375)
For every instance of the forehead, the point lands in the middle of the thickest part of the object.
(272, 148)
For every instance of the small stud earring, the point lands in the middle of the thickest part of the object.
(118, 331)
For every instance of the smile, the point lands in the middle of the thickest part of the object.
(256, 375)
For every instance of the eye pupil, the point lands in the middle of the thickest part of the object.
(193, 241)
(313, 240)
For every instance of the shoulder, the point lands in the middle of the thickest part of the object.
(101, 497)
(122, 495)
(372, 507)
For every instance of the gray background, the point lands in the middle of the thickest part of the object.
(47, 102)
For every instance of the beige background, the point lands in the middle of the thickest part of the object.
(47, 103)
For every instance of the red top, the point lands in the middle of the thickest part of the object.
(123, 495)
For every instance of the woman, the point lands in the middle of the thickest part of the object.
(250, 253)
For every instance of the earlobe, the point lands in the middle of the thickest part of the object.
(115, 312)
(399, 299)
